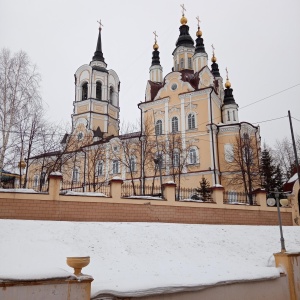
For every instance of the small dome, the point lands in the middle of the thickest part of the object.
(183, 20)
(155, 46)
(227, 84)
(199, 33)
(213, 59)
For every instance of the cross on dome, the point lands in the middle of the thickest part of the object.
(155, 36)
(183, 9)
(198, 20)
(100, 25)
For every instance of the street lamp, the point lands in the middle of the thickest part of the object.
(276, 194)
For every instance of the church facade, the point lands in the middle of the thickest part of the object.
(190, 127)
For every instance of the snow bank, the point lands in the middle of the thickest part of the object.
(135, 259)
(30, 191)
(91, 194)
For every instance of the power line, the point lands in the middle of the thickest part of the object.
(270, 120)
(291, 87)
(295, 119)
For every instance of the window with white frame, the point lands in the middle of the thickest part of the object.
(176, 158)
(132, 164)
(174, 124)
(36, 180)
(228, 115)
(181, 63)
(111, 94)
(158, 127)
(233, 113)
(228, 152)
(190, 62)
(98, 90)
(191, 121)
(99, 168)
(115, 167)
(192, 156)
(75, 176)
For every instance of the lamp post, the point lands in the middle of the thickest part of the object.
(276, 194)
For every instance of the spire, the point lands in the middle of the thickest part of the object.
(199, 41)
(228, 97)
(155, 53)
(184, 38)
(98, 55)
(214, 66)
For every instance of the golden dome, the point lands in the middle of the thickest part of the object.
(22, 164)
(155, 46)
(227, 84)
(183, 20)
(199, 33)
(213, 59)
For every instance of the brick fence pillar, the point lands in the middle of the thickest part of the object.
(55, 179)
(169, 191)
(261, 197)
(116, 187)
(218, 195)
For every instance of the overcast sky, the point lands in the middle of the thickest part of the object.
(258, 41)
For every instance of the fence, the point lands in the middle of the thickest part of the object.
(231, 197)
(37, 185)
(129, 190)
(98, 187)
(191, 194)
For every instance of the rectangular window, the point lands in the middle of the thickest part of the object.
(190, 62)
(115, 167)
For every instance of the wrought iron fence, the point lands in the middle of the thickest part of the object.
(232, 197)
(191, 194)
(98, 187)
(129, 190)
(37, 185)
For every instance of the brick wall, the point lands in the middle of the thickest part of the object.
(125, 212)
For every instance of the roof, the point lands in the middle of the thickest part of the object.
(136, 259)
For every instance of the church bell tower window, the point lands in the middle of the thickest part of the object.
(181, 64)
(84, 91)
(98, 91)
(190, 62)
(111, 94)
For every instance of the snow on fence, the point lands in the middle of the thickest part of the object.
(41, 186)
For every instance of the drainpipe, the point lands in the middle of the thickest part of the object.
(141, 155)
(212, 136)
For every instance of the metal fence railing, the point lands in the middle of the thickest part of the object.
(232, 197)
(191, 194)
(82, 187)
(129, 190)
(37, 185)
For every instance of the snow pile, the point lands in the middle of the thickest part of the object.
(293, 178)
(30, 191)
(133, 259)
(92, 194)
(144, 197)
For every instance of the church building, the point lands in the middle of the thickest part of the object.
(190, 126)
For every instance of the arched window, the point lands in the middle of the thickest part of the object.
(228, 115)
(158, 127)
(75, 176)
(174, 124)
(233, 113)
(115, 167)
(84, 94)
(98, 90)
(181, 63)
(111, 94)
(132, 164)
(99, 168)
(191, 121)
(193, 156)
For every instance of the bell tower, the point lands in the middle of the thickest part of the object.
(97, 96)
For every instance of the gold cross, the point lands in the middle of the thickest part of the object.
(198, 20)
(155, 36)
(100, 24)
(183, 9)
(226, 73)
(213, 49)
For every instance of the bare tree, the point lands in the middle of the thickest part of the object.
(243, 164)
(19, 87)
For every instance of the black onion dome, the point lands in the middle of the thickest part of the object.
(155, 58)
(184, 38)
(228, 97)
(98, 55)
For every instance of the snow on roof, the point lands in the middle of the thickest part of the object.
(293, 178)
(135, 259)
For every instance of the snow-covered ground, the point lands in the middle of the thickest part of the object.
(131, 259)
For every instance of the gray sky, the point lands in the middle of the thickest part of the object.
(257, 40)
